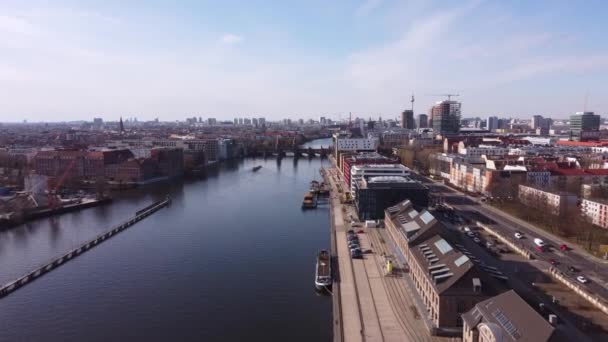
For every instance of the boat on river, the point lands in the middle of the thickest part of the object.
(310, 201)
(256, 168)
(323, 279)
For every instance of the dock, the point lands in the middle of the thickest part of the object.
(368, 304)
(81, 249)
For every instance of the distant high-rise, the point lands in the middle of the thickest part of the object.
(240, 121)
(407, 119)
(322, 120)
(262, 122)
(211, 121)
(423, 121)
(446, 117)
(122, 126)
(255, 122)
(492, 123)
(584, 121)
(236, 121)
(247, 121)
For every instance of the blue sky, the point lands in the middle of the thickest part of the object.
(68, 60)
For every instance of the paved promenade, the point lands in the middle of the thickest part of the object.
(374, 306)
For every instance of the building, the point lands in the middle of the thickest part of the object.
(359, 172)
(348, 160)
(423, 121)
(407, 119)
(506, 317)
(596, 210)
(446, 117)
(492, 123)
(374, 194)
(262, 122)
(170, 161)
(584, 122)
(445, 279)
(556, 203)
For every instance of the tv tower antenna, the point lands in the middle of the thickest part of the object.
(412, 101)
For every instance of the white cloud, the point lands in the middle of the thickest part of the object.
(231, 39)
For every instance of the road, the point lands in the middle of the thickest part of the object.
(592, 268)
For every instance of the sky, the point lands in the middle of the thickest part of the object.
(64, 60)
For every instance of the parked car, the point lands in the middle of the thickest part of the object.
(355, 253)
(489, 244)
(466, 229)
(471, 234)
(582, 279)
(572, 268)
(350, 232)
(353, 244)
(564, 247)
(519, 235)
(553, 262)
(477, 240)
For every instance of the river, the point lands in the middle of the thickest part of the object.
(232, 259)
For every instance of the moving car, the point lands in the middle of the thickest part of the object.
(519, 235)
(582, 279)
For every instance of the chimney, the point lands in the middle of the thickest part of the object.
(476, 285)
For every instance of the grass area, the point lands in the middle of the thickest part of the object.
(570, 228)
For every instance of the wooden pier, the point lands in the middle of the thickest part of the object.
(56, 262)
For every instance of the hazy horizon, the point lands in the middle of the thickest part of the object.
(75, 60)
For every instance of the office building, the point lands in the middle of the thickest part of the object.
(359, 172)
(446, 117)
(423, 121)
(445, 279)
(583, 124)
(492, 123)
(407, 119)
(374, 194)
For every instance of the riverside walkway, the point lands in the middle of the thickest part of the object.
(372, 306)
(56, 262)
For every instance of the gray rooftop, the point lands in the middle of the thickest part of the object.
(510, 317)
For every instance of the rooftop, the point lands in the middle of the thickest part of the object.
(510, 317)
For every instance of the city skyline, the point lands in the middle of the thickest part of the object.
(70, 61)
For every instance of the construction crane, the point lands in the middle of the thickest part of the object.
(448, 95)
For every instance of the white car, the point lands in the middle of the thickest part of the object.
(582, 279)
(466, 229)
(519, 235)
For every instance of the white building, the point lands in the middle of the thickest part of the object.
(481, 150)
(358, 172)
(557, 203)
(343, 144)
(596, 210)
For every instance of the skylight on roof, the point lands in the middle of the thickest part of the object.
(443, 246)
(426, 217)
(460, 261)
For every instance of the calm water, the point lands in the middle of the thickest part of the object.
(232, 259)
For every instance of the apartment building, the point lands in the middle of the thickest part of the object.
(596, 210)
(557, 203)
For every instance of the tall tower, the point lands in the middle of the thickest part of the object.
(122, 127)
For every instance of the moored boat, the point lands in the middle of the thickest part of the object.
(310, 201)
(255, 168)
(323, 270)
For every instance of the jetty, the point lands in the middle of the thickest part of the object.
(30, 276)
